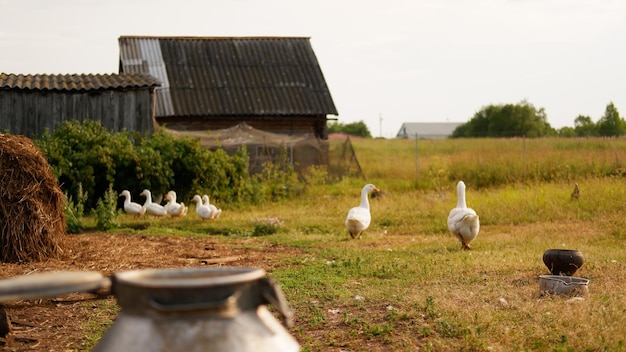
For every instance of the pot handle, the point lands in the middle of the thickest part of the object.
(273, 294)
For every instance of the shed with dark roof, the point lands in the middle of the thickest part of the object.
(274, 84)
(30, 104)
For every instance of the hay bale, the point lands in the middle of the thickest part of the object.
(32, 222)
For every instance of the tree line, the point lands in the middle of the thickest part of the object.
(354, 129)
(516, 120)
(524, 120)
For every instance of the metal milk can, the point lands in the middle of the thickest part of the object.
(197, 309)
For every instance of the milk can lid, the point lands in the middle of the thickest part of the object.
(188, 277)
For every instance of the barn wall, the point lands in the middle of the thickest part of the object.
(31, 112)
(315, 125)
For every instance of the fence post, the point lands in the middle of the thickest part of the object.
(524, 159)
(416, 159)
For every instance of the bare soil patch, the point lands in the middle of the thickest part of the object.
(58, 324)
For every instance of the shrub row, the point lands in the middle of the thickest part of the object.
(87, 159)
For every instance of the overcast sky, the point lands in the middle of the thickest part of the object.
(404, 61)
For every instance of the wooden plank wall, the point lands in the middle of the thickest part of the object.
(30, 113)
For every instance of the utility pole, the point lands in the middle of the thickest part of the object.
(380, 124)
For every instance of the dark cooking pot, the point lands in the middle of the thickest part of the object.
(563, 261)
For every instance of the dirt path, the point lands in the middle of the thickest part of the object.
(58, 324)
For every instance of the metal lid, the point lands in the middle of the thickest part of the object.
(188, 277)
(50, 284)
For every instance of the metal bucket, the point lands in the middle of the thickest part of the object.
(197, 309)
(563, 285)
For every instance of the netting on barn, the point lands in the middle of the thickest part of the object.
(302, 150)
(342, 158)
(337, 154)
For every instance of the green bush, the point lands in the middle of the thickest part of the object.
(81, 154)
(74, 212)
(354, 129)
(276, 181)
(106, 211)
(222, 176)
(87, 158)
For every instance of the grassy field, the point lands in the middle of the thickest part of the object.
(407, 285)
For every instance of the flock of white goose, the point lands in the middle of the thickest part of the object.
(463, 222)
(204, 209)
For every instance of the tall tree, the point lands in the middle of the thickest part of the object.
(584, 126)
(611, 124)
(510, 120)
(566, 131)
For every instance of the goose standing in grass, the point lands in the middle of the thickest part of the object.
(130, 207)
(154, 209)
(203, 211)
(215, 212)
(173, 208)
(575, 193)
(359, 218)
(463, 222)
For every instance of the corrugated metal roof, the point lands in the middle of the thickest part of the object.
(427, 129)
(76, 82)
(203, 76)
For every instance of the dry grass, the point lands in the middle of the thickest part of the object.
(486, 163)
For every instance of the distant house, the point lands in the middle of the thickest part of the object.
(273, 84)
(30, 104)
(427, 130)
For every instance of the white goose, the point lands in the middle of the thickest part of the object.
(130, 207)
(359, 218)
(215, 212)
(152, 208)
(202, 210)
(463, 221)
(173, 208)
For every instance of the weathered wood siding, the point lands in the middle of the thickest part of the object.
(31, 112)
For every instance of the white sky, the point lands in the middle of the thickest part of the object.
(404, 61)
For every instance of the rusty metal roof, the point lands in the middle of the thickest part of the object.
(205, 76)
(76, 82)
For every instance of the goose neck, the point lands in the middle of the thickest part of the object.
(461, 201)
(364, 200)
(148, 196)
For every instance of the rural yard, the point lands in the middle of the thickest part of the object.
(61, 324)
(445, 299)
(407, 284)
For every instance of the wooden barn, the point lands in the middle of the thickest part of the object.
(30, 104)
(273, 84)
